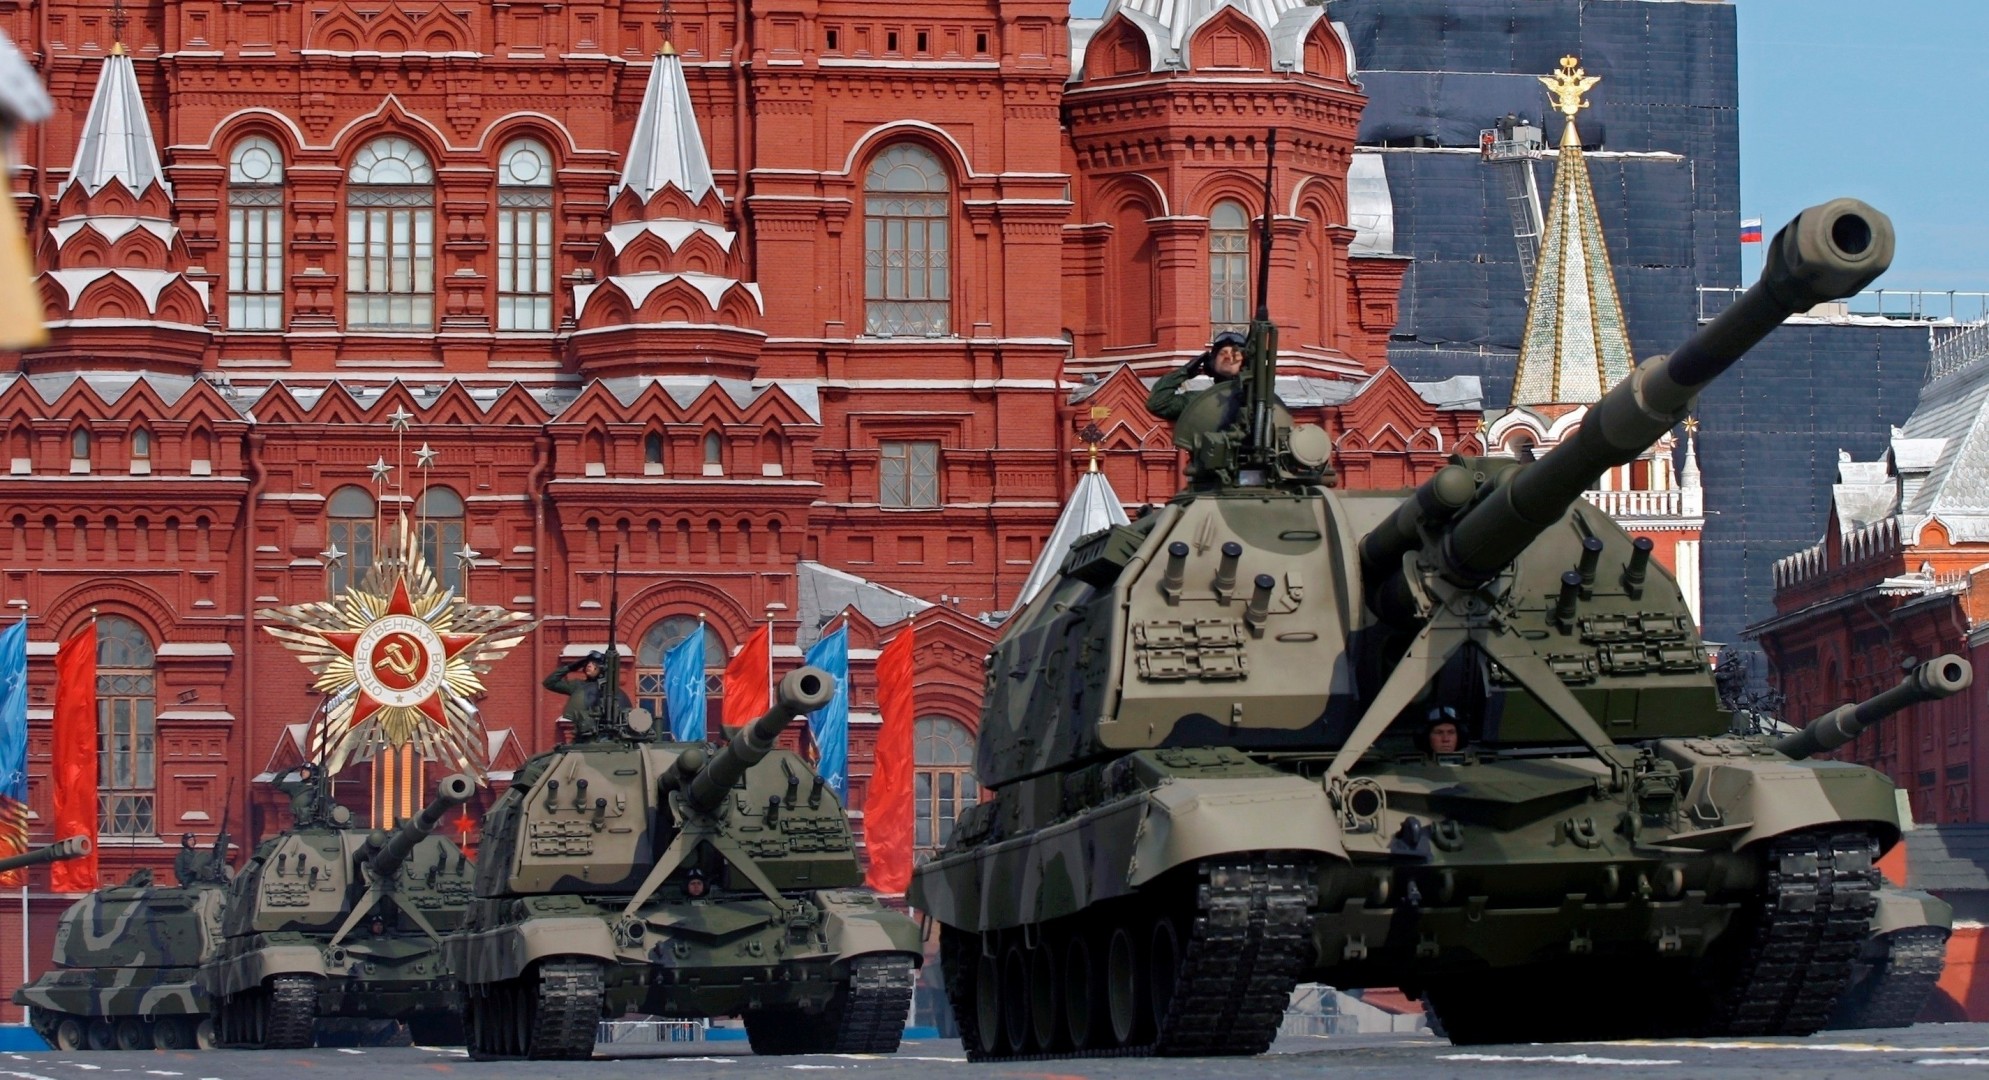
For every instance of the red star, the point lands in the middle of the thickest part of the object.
(347, 641)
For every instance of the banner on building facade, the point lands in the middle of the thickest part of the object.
(72, 749)
(887, 798)
(14, 747)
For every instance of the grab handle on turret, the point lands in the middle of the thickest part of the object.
(1942, 677)
(454, 791)
(803, 690)
(74, 847)
(1828, 252)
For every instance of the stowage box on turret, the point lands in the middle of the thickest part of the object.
(627, 874)
(332, 921)
(1205, 744)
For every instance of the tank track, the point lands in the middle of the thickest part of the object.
(292, 1019)
(1898, 985)
(1248, 939)
(1814, 917)
(866, 1017)
(568, 1017)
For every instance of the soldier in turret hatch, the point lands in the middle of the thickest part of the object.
(583, 694)
(305, 793)
(1223, 362)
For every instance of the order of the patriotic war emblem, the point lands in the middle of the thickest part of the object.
(400, 660)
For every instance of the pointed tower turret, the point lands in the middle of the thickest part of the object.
(1576, 344)
(115, 285)
(1093, 506)
(668, 297)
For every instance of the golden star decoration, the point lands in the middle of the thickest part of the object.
(400, 661)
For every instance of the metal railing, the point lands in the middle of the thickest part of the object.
(652, 1030)
(1622, 504)
(1907, 305)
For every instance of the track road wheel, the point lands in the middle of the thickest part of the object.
(866, 1015)
(1084, 985)
(1125, 1001)
(131, 1034)
(70, 1033)
(100, 1035)
(1045, 1002)
(204, 1035)
(172, 1033)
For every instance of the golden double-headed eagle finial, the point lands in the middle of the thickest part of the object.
(1569, 84)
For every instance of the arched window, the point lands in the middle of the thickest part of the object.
(255, 235)
(349, 517)
(661, 638)
(1229, 267)
(907, 269)
(440, 515)
(652, 453)
(126, 704)
(524, 236)
(942, 782)
(714, 454)
(390, 237)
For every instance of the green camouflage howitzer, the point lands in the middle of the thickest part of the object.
(1901, 960)
(1207, 753)
(327, 921)
(126, 958)
(628, 875)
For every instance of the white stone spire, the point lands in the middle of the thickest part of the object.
(1093, 506)
(117, 135)
(668, 148)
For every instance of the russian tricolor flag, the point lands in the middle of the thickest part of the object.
(1750, 230)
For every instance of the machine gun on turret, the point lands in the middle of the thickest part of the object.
(1453, 564)
(74, 847)
(1942, 677)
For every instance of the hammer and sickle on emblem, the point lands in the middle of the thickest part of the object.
(397, 661)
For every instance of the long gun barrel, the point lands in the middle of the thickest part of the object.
(73, 848)
(1941, 677)
(803, 690)
(1826, 253)
(454, 791)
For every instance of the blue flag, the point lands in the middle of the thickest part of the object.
(14, 739)
(829, 726)
(683, 686)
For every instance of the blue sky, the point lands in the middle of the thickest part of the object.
(1887, 100)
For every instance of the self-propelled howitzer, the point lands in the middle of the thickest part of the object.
(630, 874)
(1942, 677)
(330, 921)
(1210, 756)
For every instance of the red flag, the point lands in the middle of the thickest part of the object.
(73, 757)
(887, 801)
(746, 691)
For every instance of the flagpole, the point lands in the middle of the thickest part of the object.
(25, 1009)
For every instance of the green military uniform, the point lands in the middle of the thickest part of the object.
(582, 702)
(1166, 400)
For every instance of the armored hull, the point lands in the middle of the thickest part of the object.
(332, 922)
(630, 875)
(1220, 749)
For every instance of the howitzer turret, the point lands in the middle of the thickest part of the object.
(1828, 252)
(73, 848)
(1227, 714)
(802, 691)
(672, 879)
(454, 791)
(1941, 677)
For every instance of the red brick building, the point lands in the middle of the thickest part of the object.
(1900, 576)
(824, 291)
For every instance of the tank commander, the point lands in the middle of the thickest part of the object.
(1444, 735)
(304, 791)
(583, 694)
(1223, 362)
